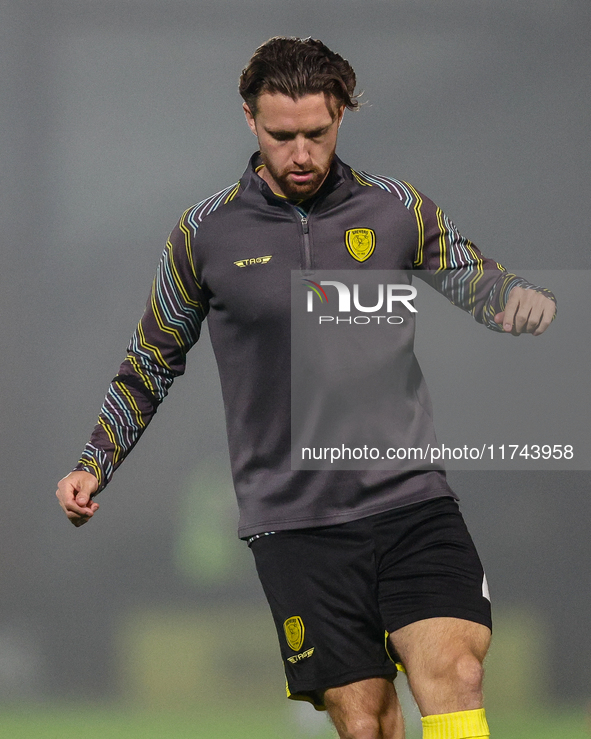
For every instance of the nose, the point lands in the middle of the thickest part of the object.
(300, 154)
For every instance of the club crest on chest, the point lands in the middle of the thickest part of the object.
(360, 243)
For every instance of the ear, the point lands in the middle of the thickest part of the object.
(341, 114)
(249, 118)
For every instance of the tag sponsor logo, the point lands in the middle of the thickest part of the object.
(253, 260)
(302, 655)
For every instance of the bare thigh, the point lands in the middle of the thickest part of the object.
(443, 660)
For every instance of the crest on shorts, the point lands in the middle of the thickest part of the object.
(294, 632)
(360, 243)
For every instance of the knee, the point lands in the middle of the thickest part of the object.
(469, 673)
(368, 709)
(462, 672)
(361, 727)
(366, 723)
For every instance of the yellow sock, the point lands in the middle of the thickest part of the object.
(458, 725)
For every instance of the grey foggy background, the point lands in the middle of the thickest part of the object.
(115, 117)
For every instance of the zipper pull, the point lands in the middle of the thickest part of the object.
(305, 225)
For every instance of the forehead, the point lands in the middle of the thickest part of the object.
(278, 111)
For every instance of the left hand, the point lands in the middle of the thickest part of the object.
(526, 311)
(74, 493)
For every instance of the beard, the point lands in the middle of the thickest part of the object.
(298, 190)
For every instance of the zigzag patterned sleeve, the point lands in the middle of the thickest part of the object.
(169, 327)
(457, 268)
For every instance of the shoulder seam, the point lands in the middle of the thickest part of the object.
(408, 196)
(195, 215)
(404, 191)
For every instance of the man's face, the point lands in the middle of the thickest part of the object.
(297, 140)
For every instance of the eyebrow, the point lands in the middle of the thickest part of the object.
(290, 134)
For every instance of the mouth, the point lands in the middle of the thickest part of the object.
(301, 177)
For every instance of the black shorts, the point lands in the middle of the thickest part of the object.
(337, 591)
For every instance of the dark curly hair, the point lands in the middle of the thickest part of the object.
(296, 67)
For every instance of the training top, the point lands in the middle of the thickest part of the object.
(230, 258)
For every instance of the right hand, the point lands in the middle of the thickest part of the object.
(74, 493)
